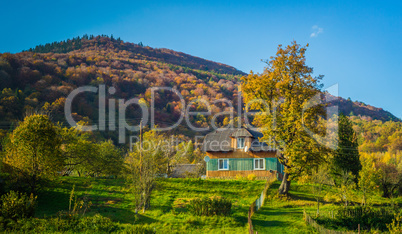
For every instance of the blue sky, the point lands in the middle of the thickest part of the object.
(356, 44)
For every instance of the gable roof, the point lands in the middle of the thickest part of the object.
(220, 140)
(241, 132)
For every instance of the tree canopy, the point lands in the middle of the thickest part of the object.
(346, 157)
(287, 87)
(33, 150)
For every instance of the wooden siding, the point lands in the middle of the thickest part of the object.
(271, 164)
(244, 164)
(241, 164)
(247, 142)
(240, 173)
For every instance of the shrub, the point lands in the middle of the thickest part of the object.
(15, 205)
(366, 216)
(369, 218)
(62, 223)
(139, 230)
(251, 177)
(78, 205)
(97, 223)
(396, 225)
(208, 207)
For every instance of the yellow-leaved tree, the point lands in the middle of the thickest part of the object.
(284, 92)
(33, 151)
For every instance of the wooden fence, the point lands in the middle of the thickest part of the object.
(320, 228)
(256, 205)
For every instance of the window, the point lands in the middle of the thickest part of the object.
(223, 164)
(240, 143)
(259, 164)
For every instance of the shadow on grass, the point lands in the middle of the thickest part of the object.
(273, 223)
(124, 216)
(51, 202)
(267, 217)
(304, 197)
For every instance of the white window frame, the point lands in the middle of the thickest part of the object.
(223, 159)
(263, 163)
(237, 142)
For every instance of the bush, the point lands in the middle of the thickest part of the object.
(139, 230)
(97, 223)
(61, 223)
(208, 207)
(251, 177)
(15, 205)
(396, 225)
(369, 218)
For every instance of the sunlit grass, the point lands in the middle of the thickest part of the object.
(285, 214)
(167, 214)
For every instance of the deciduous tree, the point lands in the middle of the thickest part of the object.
(33, 150)
(143, 166)
(286, 86)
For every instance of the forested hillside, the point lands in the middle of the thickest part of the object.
(42, 77)
(357, 108)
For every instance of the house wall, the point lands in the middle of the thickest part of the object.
(242, 163)
(247, 142)
(263, 174)
(244, 167)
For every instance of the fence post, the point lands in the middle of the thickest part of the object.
(257, 204)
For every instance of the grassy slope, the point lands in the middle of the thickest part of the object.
(168, 214)
(284, 215)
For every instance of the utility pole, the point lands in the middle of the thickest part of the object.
(141, 148)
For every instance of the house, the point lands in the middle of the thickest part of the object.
(238, 152)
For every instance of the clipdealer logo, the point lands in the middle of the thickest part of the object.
(148, 113)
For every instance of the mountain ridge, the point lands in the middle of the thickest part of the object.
(154, 54)
(358, 108)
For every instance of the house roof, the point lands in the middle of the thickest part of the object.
(220, 140)
(241, 132)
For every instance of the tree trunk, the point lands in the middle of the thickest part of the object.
(285, 185)
(385, 191)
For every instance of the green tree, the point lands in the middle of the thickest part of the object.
(346, 157)
(287, 86)
(143, 165)
(109, 160)
(86, 157)
(79, 151)
(389, 178)
(346, 187)
(367, 181)
(319, 178)
(33, 151)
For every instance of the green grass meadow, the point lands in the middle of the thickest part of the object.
(284, 215)
(167, 214)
